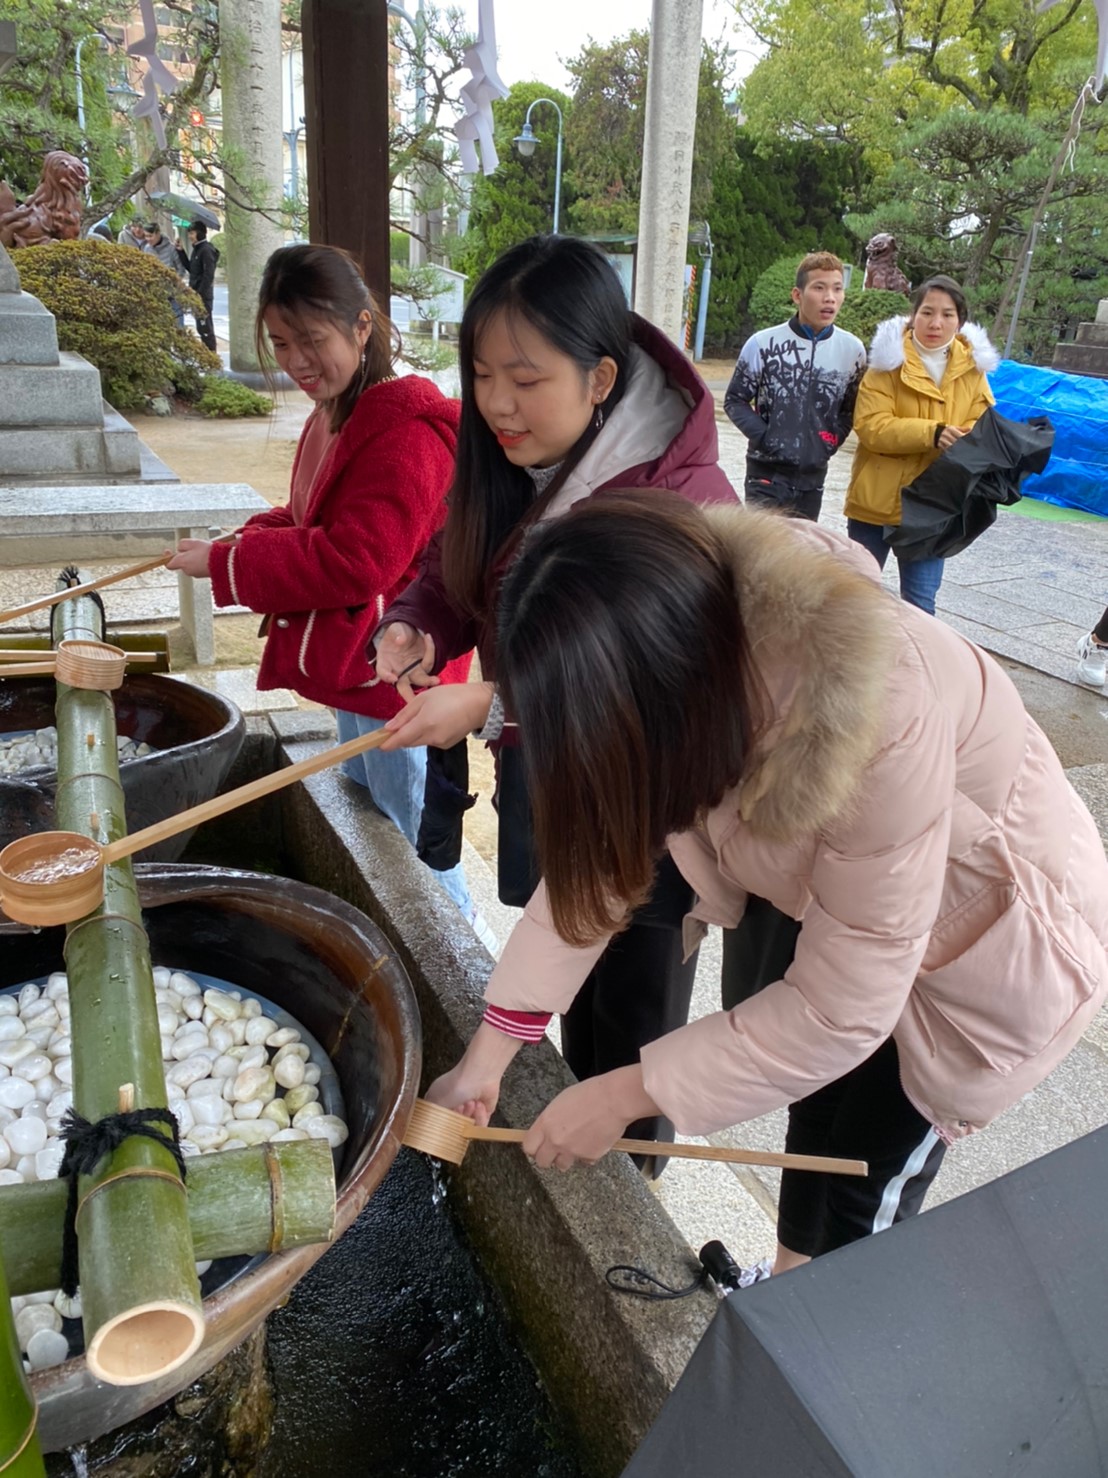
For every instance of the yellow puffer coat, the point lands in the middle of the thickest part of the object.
(899, 406)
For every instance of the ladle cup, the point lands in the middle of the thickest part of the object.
(80, 663)
(447, 1135)
(57, 877)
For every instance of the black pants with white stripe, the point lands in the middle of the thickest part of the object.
(864, 1115)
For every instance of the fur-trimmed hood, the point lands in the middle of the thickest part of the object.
(823, 635)
(888, 349)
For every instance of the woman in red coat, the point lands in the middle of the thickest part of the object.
(374, 462)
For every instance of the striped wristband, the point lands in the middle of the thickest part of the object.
(527, 1026)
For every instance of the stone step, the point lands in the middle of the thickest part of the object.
(1093, 333)
(49, 395)
(1081, 359)
(28, 332)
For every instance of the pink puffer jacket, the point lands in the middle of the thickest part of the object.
(952, 886)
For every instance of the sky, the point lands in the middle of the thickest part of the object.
(533, 36)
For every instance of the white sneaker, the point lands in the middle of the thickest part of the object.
(1092, 662)
(485, 933)
(757, 1274)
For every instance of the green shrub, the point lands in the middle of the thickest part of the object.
(227, 398)
(113, 305)
(861, 312)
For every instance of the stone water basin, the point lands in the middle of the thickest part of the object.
(326, 965)
(194, 737)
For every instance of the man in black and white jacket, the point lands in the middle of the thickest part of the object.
(792, 393)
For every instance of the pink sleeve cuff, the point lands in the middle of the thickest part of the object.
(527, 1026)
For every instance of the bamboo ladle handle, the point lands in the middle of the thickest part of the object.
(242, 796)
(829, 1165)
(41, 603)
(25, 669)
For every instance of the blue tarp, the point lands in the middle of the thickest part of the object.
(1077, 474)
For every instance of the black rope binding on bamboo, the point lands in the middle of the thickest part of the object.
(72, 576)
(86, 1144)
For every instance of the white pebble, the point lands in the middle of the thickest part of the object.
(238, 1029)
(15, 1050)
(202, 1268)
(207, 1136)
(183, 984)
(47, 1348)
(226, 1067)
(36, 1109)
(312, 1073)
(302, 1117)
(190, 1070)
(48, 1161)
(254, 1131)
(289, 1072)
(5, 1153)
(10, 1177)
(225, 1007)
(329, 1127)
(251, 1007)
(258, 1029)
(57, 986)
(232, 1144)
(60, 1046)
(276, 1111)
(9, 1006)
(43, 1010)
(296, 1098)
(254, 1082)
(28, 995)
(26, 1167)
(33, 1317)
(59, 1104)
(63, 1070)
(284, 1136)
(11, 1028)
(209, 1110)
(16, 1093)
(193, 1007)
(253, 1108)
(282, 1037)
(40, 1035)
(34, 1066)
(292, 1049)
(221, 1037)
(162, 977)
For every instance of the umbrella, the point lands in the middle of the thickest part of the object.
(956, 498)
(185, 209)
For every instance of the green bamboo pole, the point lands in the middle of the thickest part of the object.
(268, 1198)
(142, 1309)
(20, 1455)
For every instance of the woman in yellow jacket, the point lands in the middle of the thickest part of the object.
(925, 387)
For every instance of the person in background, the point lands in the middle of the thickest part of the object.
(202, 261)
(925, 387)
(169, 255)
(369, 483)
(133, 235)
(1092, 655)
(738, 689)
(792, 393)
(565, 392)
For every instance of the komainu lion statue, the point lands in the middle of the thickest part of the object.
(881, 269)
(53, 212)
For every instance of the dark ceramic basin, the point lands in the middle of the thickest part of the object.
(196, 734)
(328, 966)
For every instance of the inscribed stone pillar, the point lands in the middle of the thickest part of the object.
(250, 43)
(671, 86)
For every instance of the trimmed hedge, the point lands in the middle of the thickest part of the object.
(113, 305)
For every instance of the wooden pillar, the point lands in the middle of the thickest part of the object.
(346, 99)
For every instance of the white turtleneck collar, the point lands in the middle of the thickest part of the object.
(934, 360)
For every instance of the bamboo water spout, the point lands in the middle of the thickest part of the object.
(20, 1455)
(141, 1300)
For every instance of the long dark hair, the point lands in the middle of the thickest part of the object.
(324, 282)
(566, 290)
(622, 654)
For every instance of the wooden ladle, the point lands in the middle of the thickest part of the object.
(80, 663)
(43, 601)
(57, 877)
(447, 1135)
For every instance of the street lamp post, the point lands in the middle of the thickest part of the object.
(526, 142)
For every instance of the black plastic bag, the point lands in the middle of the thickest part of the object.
(956, 498)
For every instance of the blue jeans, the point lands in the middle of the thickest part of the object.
(919, 578)
(395, 782)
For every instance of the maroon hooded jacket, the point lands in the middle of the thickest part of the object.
(375, 502)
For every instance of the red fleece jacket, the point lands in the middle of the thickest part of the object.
(376, 501)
